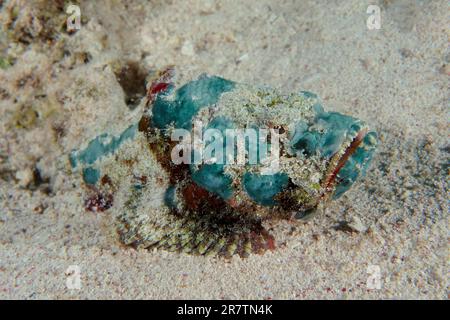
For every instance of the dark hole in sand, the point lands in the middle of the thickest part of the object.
(132, 80)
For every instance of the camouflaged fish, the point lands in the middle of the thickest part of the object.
(218, 206)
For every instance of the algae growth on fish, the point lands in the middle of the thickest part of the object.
(211, 160)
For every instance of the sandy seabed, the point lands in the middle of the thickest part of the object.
(59, 90)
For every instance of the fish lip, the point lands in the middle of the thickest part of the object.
(338, 161)
(353, 146)
(330, 181)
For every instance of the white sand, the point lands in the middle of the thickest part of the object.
(395, 78)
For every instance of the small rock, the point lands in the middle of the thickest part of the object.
(357, 225)
(445, 69)
(25, 177)
(405, 195)
(114, 250)
(242, 58)
(406, 53)
(207, 7)
(187, 49)
(39, 209)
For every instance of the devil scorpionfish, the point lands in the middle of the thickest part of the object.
(219, 206)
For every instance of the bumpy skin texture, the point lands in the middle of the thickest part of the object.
(218, 208)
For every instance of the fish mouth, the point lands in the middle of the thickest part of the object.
(345, 167)
(330, 181)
